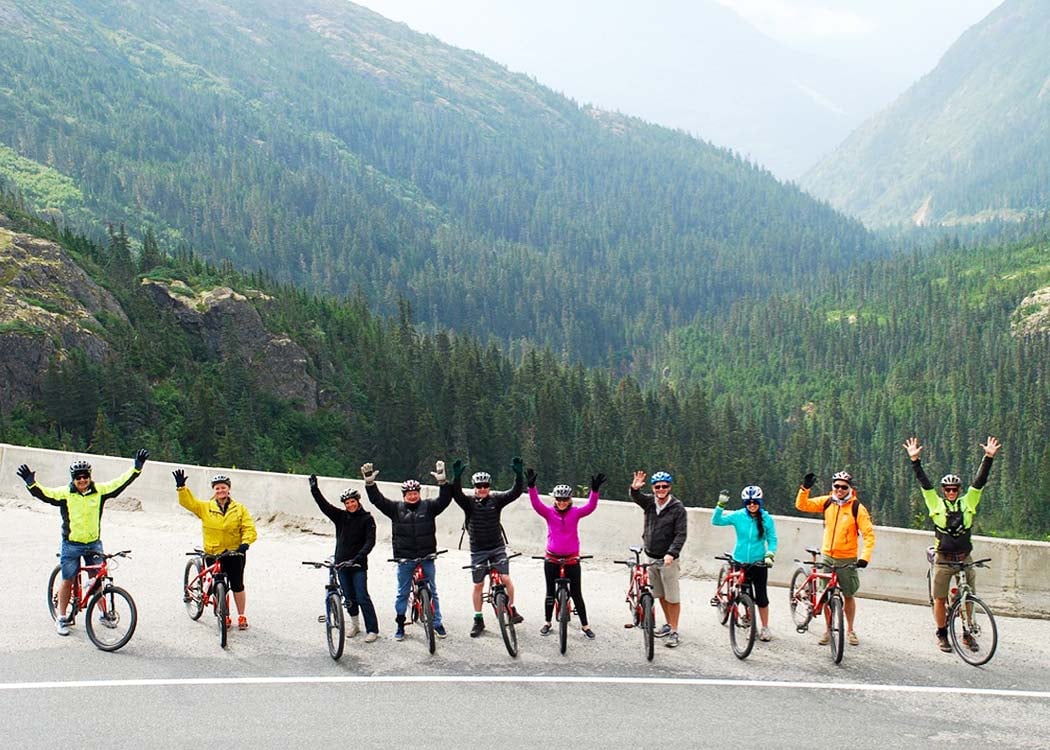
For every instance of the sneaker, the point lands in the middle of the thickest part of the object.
(107, 620)
(399, 634)
(371, 637)
(479, 626)
(439, 631)
(515, 617)
(355, 627)
(672, 639)
(546, 629)
(228, 621)
(825, 639)
(765, 635)
(943, 645)
(589, 633)
(852, 638)
(663, 632)
(61, 626)
(971, 642)
(242, 622)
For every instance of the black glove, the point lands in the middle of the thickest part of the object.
(862, 563)
(242, 548)
(180, 478)
(140, 458)
(597, 480)
(517, 466)
(530, 477)
(808, 480)
(313, 481)
(28, 475)
(458, 467)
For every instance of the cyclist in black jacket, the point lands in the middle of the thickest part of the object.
(482, 512)
(355, 536)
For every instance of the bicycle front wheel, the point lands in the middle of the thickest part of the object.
(222, 611)
(426, 614)
(111, 618)
(838, 629)
(193, 589)
(52, 591)
(972, 630)
(562, 602)
(335, 625)
(506, 623)
(800, 596)
(742, 625)
(648, 625)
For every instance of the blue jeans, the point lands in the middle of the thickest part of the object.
(354, 583)
(404, 583)
(73, 551)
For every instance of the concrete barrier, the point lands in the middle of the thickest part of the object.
(1016, 583)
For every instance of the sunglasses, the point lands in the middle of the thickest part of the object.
(753, 502)
(81, 476)
(950, 489)
(481, 486)
(840, 486)
(563, 499)
(661, 486)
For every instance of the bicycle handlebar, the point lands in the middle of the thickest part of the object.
(492, 562)
(733, 561)
(562, 558)
(335, 566)
(431, 556)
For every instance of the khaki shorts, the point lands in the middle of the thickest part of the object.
(943, 574)
(849, 578)
(664, 580)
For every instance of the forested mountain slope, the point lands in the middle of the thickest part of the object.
(970, 141)
(333, 148)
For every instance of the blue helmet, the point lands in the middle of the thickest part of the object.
(752, 494)
(661, 476)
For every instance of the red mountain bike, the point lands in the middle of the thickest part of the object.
(206, 586)
(111, 613)
(562, 594)
(496, 595)
(640, 599)
(735, 605)
(420, 601)
(806, 603)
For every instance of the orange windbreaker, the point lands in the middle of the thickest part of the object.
(840, 530)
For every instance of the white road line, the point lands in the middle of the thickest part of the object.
(447, 679)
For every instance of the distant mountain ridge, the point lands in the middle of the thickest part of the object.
(333, 148)
(968, 142)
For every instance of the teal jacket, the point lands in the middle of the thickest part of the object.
(749, 547)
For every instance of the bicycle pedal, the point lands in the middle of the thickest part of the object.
(321, 618)
(628, 625)
(803, 629)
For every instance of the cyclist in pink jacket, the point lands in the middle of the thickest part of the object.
(563, 540)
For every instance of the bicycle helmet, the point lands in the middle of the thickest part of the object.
(350, 493)
(661, 476)
(845, 476)
(80, 466)
(221, 479)
(561, 491)
(409, 485)
(951, 480)
(481, 477)
(752, 493)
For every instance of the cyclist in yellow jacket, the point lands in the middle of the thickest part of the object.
(845, 518)
(227, 526)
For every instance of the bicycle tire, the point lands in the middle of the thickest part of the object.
(723, 601)
(562, 603)
(648, 626)
(193, 589)
(800, 598)
(116, 607)
(334, 624)
(838, 628)
(426, 612)
(977, 627)
(506, 623)
(222, 611)
(742, 628)
(52, 591)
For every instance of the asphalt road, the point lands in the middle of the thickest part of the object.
(275, 684)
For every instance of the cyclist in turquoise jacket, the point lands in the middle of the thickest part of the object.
(756, 542)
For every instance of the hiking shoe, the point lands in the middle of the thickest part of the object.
(825, 639)
(515, 617)
(663, 632)
(943, 645)
(355, 627)
(672, 639)
(479, 626)
(852, 638)
(62, 626)
(546, 629)
(439, 631)
(242, 622)
(971, 642)
(371, 637)
(589, 633)
(765, 635)
(399, 634)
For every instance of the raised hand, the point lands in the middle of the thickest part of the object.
(723, 498)
(313, 481)
(597, 480)
(369, 473)
(27, 475)
(458, 467)
(140, 458)
(439, 472)
(530, 477)
(808, 480)
(914, 449)
(180, 478)
(517, 466)
(991, 447)
(639, 480)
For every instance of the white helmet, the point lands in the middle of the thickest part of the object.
(481, 477)
(561, 491)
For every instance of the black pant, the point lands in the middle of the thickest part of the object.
(755, 577)
(233, 567)
(572, 572)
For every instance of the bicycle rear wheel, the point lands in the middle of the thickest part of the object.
(742, 625)
(111, 618)
(648, 625)
(335, 625)
(800, 597)
(222, 611)
(426, 614)
(193, 589)
(720, 595)
(972, 630)
(52, 591)
(838, 629)
(562, 602)
(506, 623)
